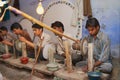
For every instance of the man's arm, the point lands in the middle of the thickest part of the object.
(26, 41)
(7, 42)
(97, 63)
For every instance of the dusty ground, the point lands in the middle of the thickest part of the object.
(12, 73)
(116, 69)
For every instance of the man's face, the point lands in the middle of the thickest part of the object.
(37, 32)
(58, 29)
(16, 31)
(93, 30)
(3, 33)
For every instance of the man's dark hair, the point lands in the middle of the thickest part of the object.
(37, 26)
(92, 22)
(15, 26)
(3, 28)
(58, 24)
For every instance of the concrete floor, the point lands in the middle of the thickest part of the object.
(116, 69)
(12, 73)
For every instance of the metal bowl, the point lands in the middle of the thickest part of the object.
(94, 75)
(52, 66)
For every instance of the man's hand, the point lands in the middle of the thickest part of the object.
(97, 63)
(7, 42)
(76, 46)
(22, 39)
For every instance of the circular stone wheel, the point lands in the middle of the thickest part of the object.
(84, 46)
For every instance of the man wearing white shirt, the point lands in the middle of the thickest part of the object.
(60, 49)
(43, 38)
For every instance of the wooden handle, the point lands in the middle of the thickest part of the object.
(1, 18)
(38, 22)
(36, 58)
(68, 57)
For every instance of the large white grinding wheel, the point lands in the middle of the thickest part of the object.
(84, 46)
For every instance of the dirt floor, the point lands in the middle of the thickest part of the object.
(116, 69)
(12, 73)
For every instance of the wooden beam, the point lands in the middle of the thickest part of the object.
(38, 22)
(68, 57)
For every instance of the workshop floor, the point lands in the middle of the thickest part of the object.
(116, 69)
(11, 73)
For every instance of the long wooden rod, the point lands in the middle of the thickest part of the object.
(36, 59)
(38, 22)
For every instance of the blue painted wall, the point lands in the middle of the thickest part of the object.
(106, 11)
(108, 14)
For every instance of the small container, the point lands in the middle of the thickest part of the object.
(52, 66)
(94, 75)
(6, 55)
(24, 60)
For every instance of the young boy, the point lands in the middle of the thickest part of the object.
(8, 37)
(43, 38)
(17, 29)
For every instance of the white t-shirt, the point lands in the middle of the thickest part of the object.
(46, 41)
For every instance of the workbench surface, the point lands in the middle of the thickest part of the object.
(41, 67)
